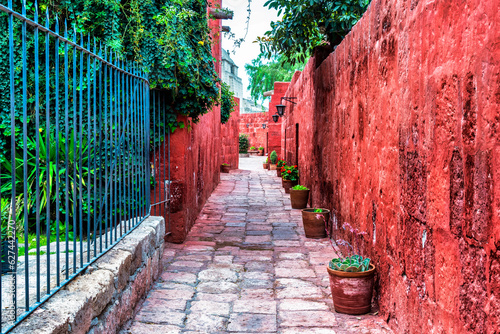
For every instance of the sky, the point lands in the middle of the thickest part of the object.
(260, 22)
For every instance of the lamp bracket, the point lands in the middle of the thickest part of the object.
(288, 99)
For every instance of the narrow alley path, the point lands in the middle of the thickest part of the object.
(247, 267)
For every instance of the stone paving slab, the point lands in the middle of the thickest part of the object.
(246, 267)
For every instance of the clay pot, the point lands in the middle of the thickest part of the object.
(272, 166)
(265, 166)
(352, 292)
(261, 152)
(314, 227)
(299, 198)
(225, 168)
(278, 171)
(287, 184)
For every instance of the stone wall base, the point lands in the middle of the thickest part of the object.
(104, 297)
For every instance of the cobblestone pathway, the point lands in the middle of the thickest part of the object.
(247, 267)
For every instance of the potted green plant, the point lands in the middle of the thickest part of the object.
(225, 167)
(299, 196)
(265, 164)
(351, 277)
(279, 166)
(273, 158)
(313, 221)
(253, 150)
(290, 177)
(261, 151)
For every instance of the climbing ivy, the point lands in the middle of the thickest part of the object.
(168, 39)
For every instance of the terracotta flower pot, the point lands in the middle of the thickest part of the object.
(265, 166)
(299, 198)
(225, 168)
(272, 166)
(278, 171)
(352, 292)
(261, 152)
(287, 184)
(314, 227)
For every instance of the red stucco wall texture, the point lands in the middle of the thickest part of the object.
(251, 125)
(230, 138)
(275, 129)
(399, 135)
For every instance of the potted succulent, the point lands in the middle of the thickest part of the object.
(279, 166)
(265, 164)
(290, 177)
(225, 167)
(314, 222)
(351, 277)
(261, 151)
(273, 158)
(299, 196)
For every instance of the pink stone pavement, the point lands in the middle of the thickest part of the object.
(247, 267)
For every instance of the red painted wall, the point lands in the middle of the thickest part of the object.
(399, 135)
(230, 138)
(251, 125)
(275, 129)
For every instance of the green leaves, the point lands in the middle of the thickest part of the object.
(307, 24)
(264, 74)
(354, 263)
(227, 103)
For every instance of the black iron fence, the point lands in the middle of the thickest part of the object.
(75, 155)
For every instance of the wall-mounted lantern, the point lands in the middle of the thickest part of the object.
(276, 117)
(264, 125)
(280, 108)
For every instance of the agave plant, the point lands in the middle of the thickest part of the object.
(350, 263)
(48, 172)
(354, 263)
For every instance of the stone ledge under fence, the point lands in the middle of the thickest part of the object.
(104, 298)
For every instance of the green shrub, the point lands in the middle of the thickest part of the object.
(299, 187)
(273, 157)
(243, 143)
(252, 148)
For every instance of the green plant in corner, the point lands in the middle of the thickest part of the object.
(228, 104)
(273, 157)
(243, 142)
(299, 187)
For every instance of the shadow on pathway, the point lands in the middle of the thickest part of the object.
(247, 267)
